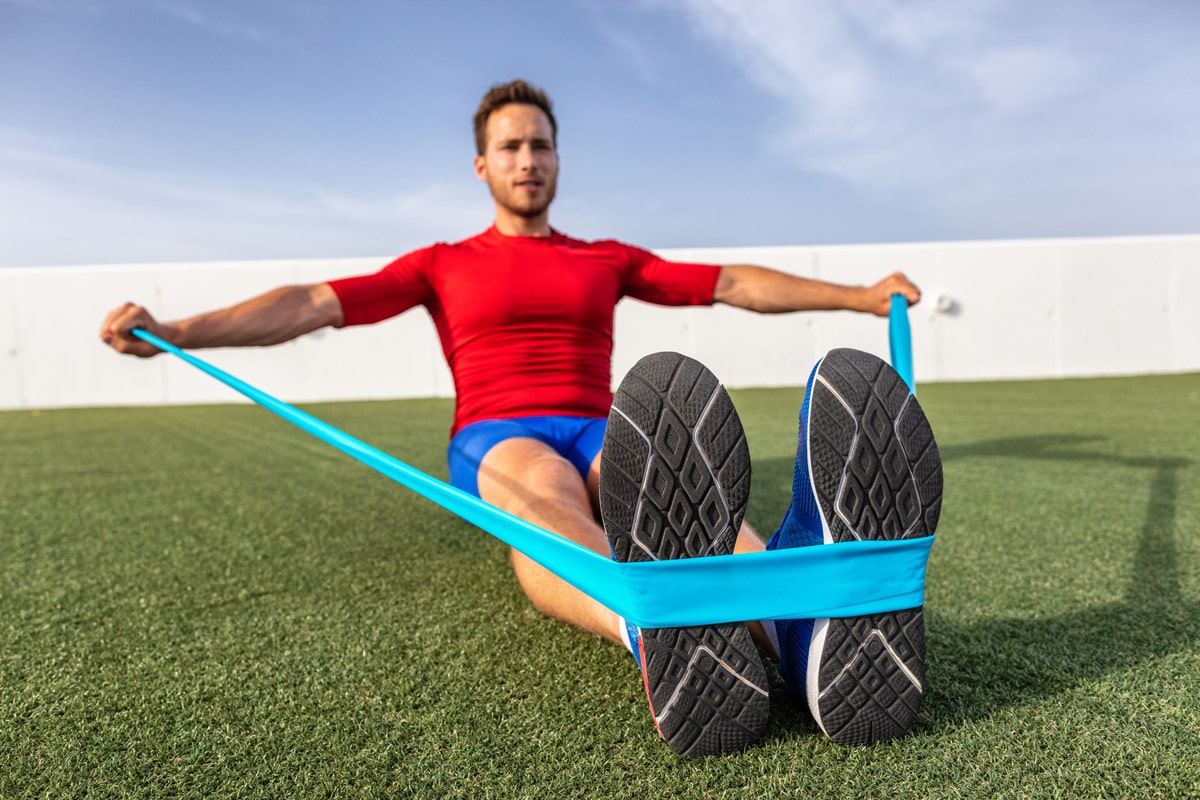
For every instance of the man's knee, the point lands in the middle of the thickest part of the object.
(552, 473)
(530, 478)
(549, 479)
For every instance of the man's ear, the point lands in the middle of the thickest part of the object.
(481, 168)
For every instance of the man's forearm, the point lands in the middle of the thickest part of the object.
(770, 291)
(277, 316)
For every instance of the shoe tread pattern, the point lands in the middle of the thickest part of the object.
(675, 479)
(877, 474)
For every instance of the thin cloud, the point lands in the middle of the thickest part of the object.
(59, 209)
(201, 17)
(1020, 78)
(208, 21)
(853, 75)
(630, 50)
(966, 106)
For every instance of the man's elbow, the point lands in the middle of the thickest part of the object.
(327, 308)
(731, 290)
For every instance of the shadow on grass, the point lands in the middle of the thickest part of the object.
(978, 668)
(1002, 662)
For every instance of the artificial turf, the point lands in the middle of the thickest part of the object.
(205, 602)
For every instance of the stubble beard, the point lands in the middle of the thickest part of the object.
(534, 207)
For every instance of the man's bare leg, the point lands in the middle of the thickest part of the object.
(528, 479)
(749, 541)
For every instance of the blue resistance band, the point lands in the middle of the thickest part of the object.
(900, 339)
(836, 580)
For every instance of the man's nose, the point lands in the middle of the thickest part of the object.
(525, 159)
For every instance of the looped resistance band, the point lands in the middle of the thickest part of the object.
(900, 340)
(836, 580)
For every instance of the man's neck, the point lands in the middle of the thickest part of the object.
(514, 225)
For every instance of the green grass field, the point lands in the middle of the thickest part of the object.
(205, 602)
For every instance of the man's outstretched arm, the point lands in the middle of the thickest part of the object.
(277, 316)
(769, 291)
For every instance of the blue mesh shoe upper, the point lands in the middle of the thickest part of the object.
(801, 527)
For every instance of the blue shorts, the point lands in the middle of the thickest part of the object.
(577, 439)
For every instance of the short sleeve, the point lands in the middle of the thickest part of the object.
(397, 287)
(669, 283)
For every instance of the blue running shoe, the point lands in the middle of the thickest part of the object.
(867, 467)
(674, 482)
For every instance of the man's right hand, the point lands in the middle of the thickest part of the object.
(115, 332)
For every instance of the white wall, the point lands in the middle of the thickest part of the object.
(1020, 309)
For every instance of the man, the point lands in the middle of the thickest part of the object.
(525, 314)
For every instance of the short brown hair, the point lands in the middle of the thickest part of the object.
(503, 94)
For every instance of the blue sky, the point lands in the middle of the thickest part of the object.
(183, 130)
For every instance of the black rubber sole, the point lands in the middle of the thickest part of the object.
(674, 482)
(876, 474)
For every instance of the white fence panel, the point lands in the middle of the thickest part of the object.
(992, 310)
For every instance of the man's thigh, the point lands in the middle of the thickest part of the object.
(530, 479)
(576, 439)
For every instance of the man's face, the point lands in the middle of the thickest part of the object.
(519, 163)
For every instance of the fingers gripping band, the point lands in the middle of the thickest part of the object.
(836, 580)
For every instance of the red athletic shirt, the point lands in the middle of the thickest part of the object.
(526, 323)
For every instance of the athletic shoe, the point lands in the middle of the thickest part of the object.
(867, 467)
(674, 482)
